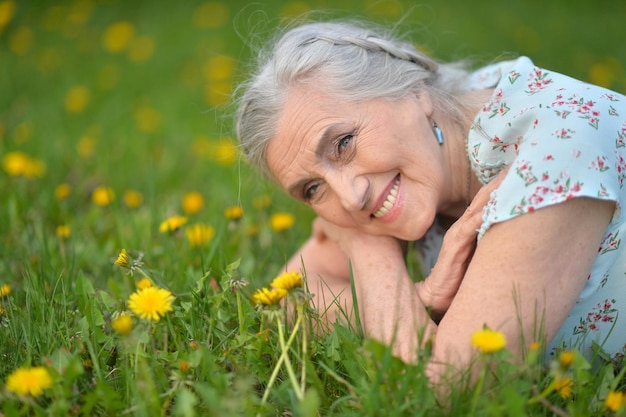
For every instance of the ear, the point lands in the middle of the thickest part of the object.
(425, 102)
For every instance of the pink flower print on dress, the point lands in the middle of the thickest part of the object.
(620, 167)
(564, 133)
(620, 142)
(599, 164)
(602, 313)
(610, 243)
(537, 81)
(525, 172)
(513, 76)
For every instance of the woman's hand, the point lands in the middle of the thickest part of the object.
(438, 290)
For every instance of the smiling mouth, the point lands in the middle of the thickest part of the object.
(389, 201)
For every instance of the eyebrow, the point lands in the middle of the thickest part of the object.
(322, 144)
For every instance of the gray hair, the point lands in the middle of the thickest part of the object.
(350, 60)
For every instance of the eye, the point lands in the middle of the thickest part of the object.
(309, 191)
(343, 143)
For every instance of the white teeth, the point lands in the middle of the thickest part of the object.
(389, 201)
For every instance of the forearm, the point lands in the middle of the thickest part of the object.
(389, 307)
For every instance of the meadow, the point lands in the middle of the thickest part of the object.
(140, 257)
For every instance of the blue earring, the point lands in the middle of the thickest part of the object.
(438, 133)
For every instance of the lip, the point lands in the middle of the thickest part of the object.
(392, 213)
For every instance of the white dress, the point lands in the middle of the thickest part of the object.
(563, 139)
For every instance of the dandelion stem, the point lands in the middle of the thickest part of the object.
(281, 359)
(285, 349)
(304, 350)
(239, 312)
(478, 389)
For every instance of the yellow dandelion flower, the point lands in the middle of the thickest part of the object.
(224, 152)
(268, 297)
(192, 202)
(614, 400)
(280, 222)
(199, 234)
(213, 14)
(77, 98)
(151, 303)
(488, 341)
(133, 199)
(141, 48)
(287, 280)
(122, 324)
(534, 346)
(566, 358)
(172, 224)
(564, 386)
(147, 119)
(103, 196)
(233, 212)
(5, 290)
(123, 260)
(18, 163)
(63, 231)
(117, 36)
(62, 191)
(21, 40)
(7, 10)
(29, 381)
(144, 283)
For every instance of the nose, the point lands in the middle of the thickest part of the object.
(351, 190)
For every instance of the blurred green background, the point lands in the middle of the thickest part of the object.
(135, 95)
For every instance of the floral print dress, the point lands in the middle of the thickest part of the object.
(563, 139)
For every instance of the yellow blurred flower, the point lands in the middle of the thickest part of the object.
(224, 152)
(86, 146)
(199, 234)
(151, 303)
(192, 202)
(564, 386)
(219, 68)
(566, 358)
(212, 15)
(48, 60)
(62, 191)
(21, 40)
(18, 163)
(122, 324)
(117, 36)
(133, 199)
(29, 381)
(7, 10)
(144, 283)
(615, 400)
(261, 202)
(122, 260)
(268, 297)
(147, 119)
(488, 341)
(534, 346)
(217, 93)
(233, 212)
(76, 99)
(103, 196)
(5, 290)
(141, 48)
(63, 231)
(287, 281)
(298, 8)
(172, 224)
(280, 222)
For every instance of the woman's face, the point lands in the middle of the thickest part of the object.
(373, 165)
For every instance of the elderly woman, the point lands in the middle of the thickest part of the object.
(510, 177)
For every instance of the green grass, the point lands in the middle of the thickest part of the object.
(154, 124)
